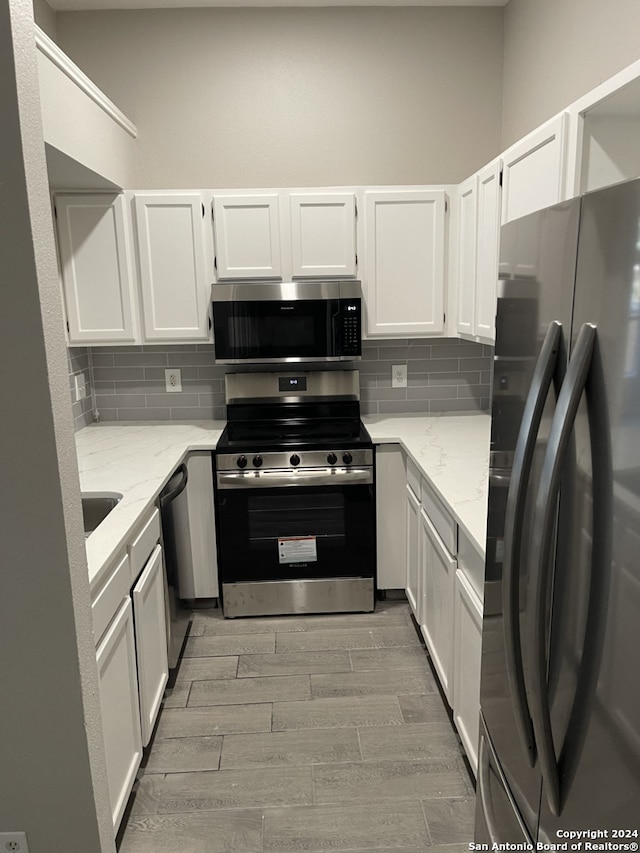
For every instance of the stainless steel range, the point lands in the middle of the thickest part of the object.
(295, 499)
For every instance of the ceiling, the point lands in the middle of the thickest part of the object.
(77, 5)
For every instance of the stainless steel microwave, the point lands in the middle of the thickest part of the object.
(291, 321)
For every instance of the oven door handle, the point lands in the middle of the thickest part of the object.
(296, 477)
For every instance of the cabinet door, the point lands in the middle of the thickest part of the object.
(466, 667)
(468, 200)
(391, 516)
(247, 236)
(151, 641)
(173, 266)
(534, 169)
(405, 252)
(413, 549)
(323, 234)
(95, 258)
(116, 659)
(437, 570)
(488, 239)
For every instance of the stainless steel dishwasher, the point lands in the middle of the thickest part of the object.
(173, 533)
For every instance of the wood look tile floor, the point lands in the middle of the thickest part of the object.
(303, 734)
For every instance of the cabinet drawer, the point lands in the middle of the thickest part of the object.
(112, 594)
(143, 544)
(440, 517)
(413, 477)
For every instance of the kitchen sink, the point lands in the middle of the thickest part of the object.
(96, 507)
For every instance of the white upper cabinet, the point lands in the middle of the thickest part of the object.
(173, 256)
(534, 170)
(467, 243)
(96, 274)
(488, 241)
(247, 236)
(405, 262)
(323, 234)
(604, 134)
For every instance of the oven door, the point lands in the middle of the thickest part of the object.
(309, 542)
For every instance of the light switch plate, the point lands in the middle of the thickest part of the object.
(399, 376)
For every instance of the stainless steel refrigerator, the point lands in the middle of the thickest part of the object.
(560, 693)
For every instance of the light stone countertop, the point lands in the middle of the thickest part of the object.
(452, 452)
(137, 460)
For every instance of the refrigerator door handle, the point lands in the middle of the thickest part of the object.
(545, 370)
(541, 542)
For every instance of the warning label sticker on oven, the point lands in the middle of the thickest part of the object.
(297, 549)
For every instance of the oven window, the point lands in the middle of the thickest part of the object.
(276, 517)
(256, 530)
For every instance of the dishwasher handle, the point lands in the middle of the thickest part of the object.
(169, 495)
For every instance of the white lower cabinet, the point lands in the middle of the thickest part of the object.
(132, 661)
(437, 571)
(466, 666)
(413, 549)
(444, 582)
(117, 676)
(151, 641)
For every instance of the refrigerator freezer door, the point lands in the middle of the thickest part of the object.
(496, 816)
(537, 263)
(593, 684)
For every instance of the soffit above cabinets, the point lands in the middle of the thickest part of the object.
(77, 5)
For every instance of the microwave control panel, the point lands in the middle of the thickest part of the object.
(351, 327)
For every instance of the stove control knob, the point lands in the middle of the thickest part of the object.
(332, 459)
(347, 458)
(257, 461)
(295, 459)
(242, 462)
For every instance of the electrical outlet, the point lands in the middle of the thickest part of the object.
(13, 842)
(399, 376)
(172, 381)
(81, 393)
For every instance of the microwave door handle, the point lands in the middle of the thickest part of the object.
(333, 331)
(544, 525)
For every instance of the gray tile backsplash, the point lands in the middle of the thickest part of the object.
(78, 360)
(443, 374)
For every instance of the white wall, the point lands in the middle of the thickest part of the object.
(52, 767)
(295, 97)
(555, 51)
